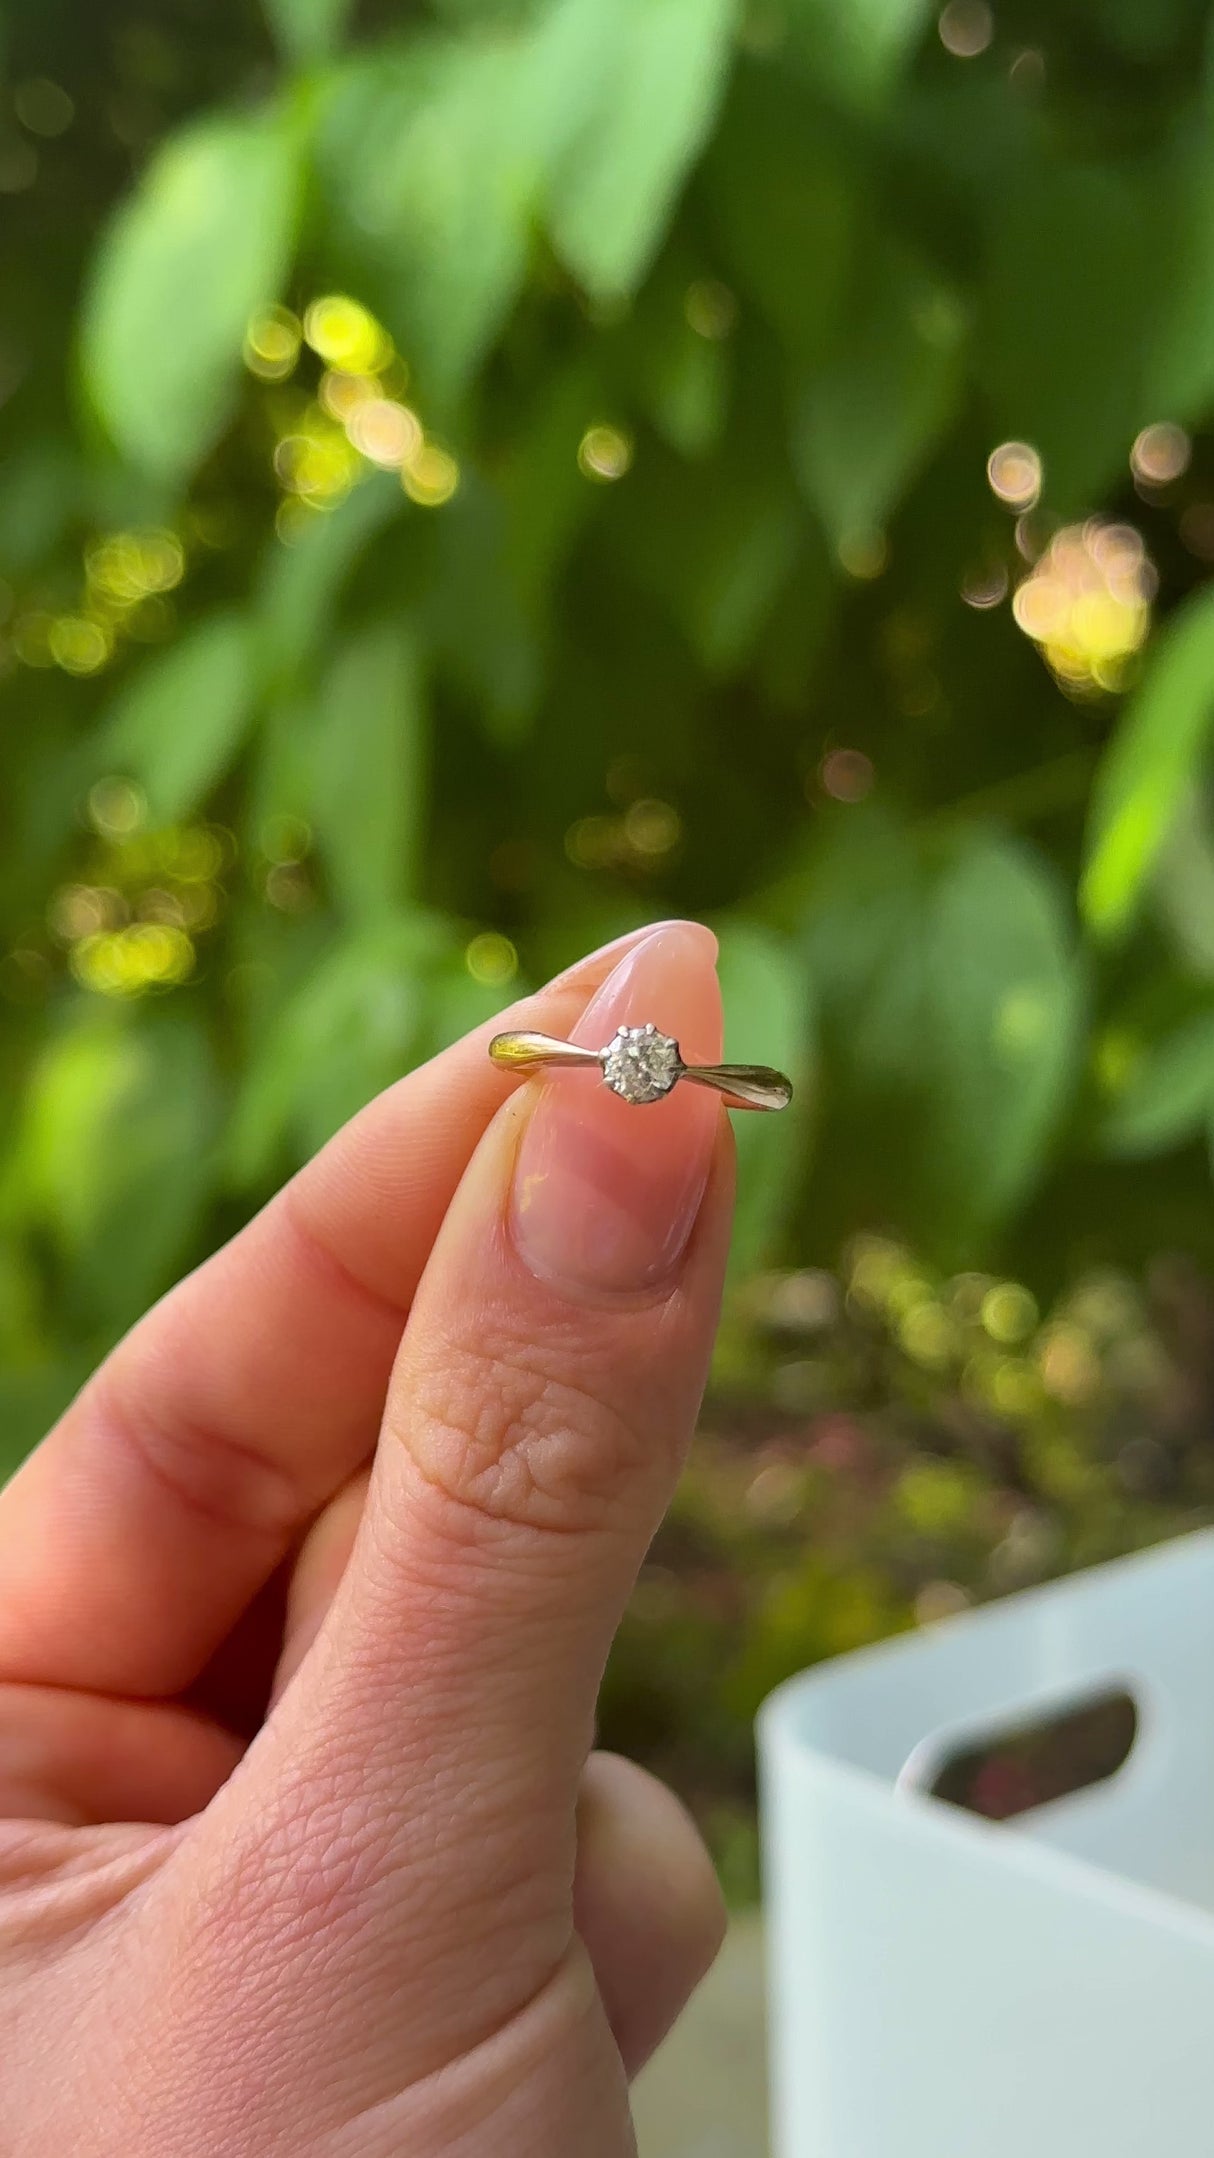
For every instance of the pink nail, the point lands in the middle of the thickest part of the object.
(606, 1193)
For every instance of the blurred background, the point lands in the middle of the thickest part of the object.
(475, 477)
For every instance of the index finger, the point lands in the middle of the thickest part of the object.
(138, 1532)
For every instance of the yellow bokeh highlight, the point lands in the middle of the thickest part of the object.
(78, 645)
(928, 1336)
(122, 568)
(343, 394)
(345, 334)
(358, 420)
(1009, 1313)
(317, 462)
(385, 433)
(604, 453)
(116, 808)
(431, 477)
(1086, 604)
(491, 959)
(126, 575)
(652, 827)
(127, 962)
(31, 637)
(271, 345)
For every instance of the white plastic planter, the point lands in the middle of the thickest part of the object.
(943, 1986)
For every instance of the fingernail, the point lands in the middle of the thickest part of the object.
(628, 942)
(606, 1192)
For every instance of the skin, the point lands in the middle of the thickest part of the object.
(304, 1607)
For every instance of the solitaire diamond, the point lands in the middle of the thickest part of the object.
(640, 1064)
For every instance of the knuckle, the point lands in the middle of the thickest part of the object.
(520, 1434)
(207, 1474)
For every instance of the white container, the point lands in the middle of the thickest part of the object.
(942, 1986)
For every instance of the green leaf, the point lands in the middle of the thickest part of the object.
(428, 160)
(302, 583)
(546, 497)
(478, 625)
(1149, 767)
(1168, 1096)
(307, 30)
(683, 383)
(784, 200)
(204, 241)
(950, 1002)
(857, 52)
(765, 986)
(1182, 888)
(872, 413)
(178, 725)
(1077, 377)
(38, 501)
(351, 1029)
(456, 1005)
(716, 542)
(613, 193)
(441, 156)
(370, 770)
(119, 1118)
(1183, 374)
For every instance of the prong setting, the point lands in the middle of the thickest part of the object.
(640, 1064)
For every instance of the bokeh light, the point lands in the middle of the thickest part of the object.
(345, 334)
(985, 588)
(491, 959)
(116, 808)
(1015, 475)
(272, 344)
(847, 775)
(1161, 453)
(1009, 1313)
(652, 828)
(430, 477)
(43, 106)
(966, 28)
(1087, 603)
(126, 577)
(641, 840)
(78, 645)
(604, 453)
(385, 433)
(127, 962)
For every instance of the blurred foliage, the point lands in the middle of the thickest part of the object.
(479, 475)
(884, 1446)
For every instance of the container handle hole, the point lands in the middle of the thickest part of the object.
(1017, 1768)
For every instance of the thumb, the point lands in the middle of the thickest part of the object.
(409, 1808)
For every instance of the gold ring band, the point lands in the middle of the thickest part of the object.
(641, 1065)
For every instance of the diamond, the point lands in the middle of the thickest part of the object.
(640, 1064)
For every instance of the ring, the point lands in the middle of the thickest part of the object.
(641, 1064)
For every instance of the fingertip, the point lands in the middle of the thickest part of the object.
(670, 976)
(607, 1190)
(647, 1901)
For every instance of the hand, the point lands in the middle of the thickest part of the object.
(300, 1847)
